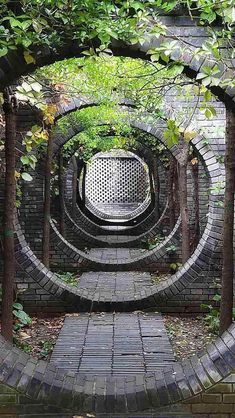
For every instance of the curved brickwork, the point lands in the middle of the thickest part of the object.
(79, 393)
(212, 372)
(92, 228)
(194, 266)
(131, 259)
(75, 221)
(98, 236)
(13, 65)
(118, 259)
(128, 259)
(73, 231)
(150, 257)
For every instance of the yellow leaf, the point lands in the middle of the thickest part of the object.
(52, 108)
(188, 135)
(29, 58)
(194, 161)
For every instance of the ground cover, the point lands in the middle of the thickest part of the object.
(188, 335)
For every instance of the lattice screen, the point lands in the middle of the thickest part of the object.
(116, 180)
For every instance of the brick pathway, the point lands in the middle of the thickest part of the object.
(113, 344)
(114, 286)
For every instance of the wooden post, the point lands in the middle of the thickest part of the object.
(47, 204)
(226, 305)
(10, 110)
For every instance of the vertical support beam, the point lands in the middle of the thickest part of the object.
(47, 204)
(171, 194)
(196, 229)
(10, 110)
(84, 186)
(226, 305)
(74, 184)
(61, 191)
(183, 191)
(156, 186)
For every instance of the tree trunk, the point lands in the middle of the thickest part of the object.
(74, 184)
(226, 305)
(183, 162)
(84, 187)
(156, 187)
(47, 204)
(10, 109)
(176, 190)
(196, 232)
(61, 192)
(171, 194)
(151, 184)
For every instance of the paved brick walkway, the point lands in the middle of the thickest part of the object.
(113, 344)
(115, 254)
(114, 286)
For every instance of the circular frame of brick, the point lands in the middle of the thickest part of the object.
(147, 258)
(147, 227)
(41, 381)
(171, 286)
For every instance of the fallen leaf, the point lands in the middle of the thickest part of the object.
(29, 58)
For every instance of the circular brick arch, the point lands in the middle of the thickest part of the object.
(147, 226)
(42, 381)
(171, 286)
(150, 256)
(147, 258)
(13, 65)
(89, 222)
(84, 227)
(79, 393)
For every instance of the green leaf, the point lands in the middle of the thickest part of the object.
(14, 22)
(24, 159)
(18, 306)
(22, 316)
(3, 51)
(36, 87)
(217, 298)
(26, 176)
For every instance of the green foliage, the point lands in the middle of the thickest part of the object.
(52, 23)
(163, 53)
(207, 75)
(47, 347)
(23, 345)
(208, 10)
(93, 24)
(102, 128)
(212, 318)
(171, 248)
(26, 176)
(22, 318)
(171, 133)
(29, 91)
(68, 277)
(174, 267)
(218, 187)
(152, 243)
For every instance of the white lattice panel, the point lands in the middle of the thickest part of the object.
(116, 180)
